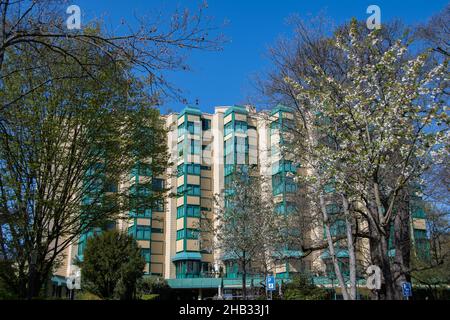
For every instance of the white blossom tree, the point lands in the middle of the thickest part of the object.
(386, 117)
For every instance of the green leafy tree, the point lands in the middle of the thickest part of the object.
(63, 148)
(150, 288)
(112, 265)
(302, 288)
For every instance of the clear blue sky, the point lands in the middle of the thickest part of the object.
(223, 78)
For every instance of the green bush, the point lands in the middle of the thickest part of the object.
(302, 288)
(85, 295)
(112, 265)
(151, 288)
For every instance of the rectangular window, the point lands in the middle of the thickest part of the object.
(159, 205)
(180, 234)
(229, 168)
(192, 234)
(180, 149)
(193, 211)
(195, 147)
(193, 128)
(277, 184)
(274, 127)
(206, 124)
(228, 146)
(291, 186)
(181, 130)
(141, 213)
(193, 190)
(228, 128)
(240, 126)
(146, 255)
(157, 184)
(190, 127)
(180, 170)
(332, 209)
(143, 232)
(193, 169)
(180, 191)
(180, 212)
(157, 230)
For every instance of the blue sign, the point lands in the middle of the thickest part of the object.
(407, 289)
(270, 281)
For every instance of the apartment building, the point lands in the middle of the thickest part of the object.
(204, 150)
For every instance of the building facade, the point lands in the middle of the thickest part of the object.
(204, 150)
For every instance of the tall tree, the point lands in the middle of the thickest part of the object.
(245, 226)
(63, 149)
(112, 265)
(386, 116)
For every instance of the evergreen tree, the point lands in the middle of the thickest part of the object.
(112, 265)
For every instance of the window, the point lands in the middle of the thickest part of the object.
(159, 205)
(288, 124)
(206, 168)
(193, 211)
(332, 208)
(142, 213)
(81, 246)
(180, 170)
(157, 230)
(291, 186)
(180, 148)
(180, 234)
(274, 126)
(180, 191)
(181, 130)
(228, 128)
(329, 188)
(157, 184)
(241, 145)
(143, 232)
(192, 234)
(277, 184)
(240, 126)
(282, 208)
(146, 254)
(338, 228)
(418, 212)
(229, 168)
(284, 165)
(193, 190)
(193, 267)
(228, 146)
(180, 212)
(195, 147)
(206, 124)
(192, 128)
(193, 169)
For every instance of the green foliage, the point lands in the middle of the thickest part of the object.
(112, 265)
(302, 288)
(85, 295)
(68, 132)
(150, 297)
(151, 288)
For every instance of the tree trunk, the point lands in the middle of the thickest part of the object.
(402, 245)
(351, 249)
(244, 278)
(337, 269)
